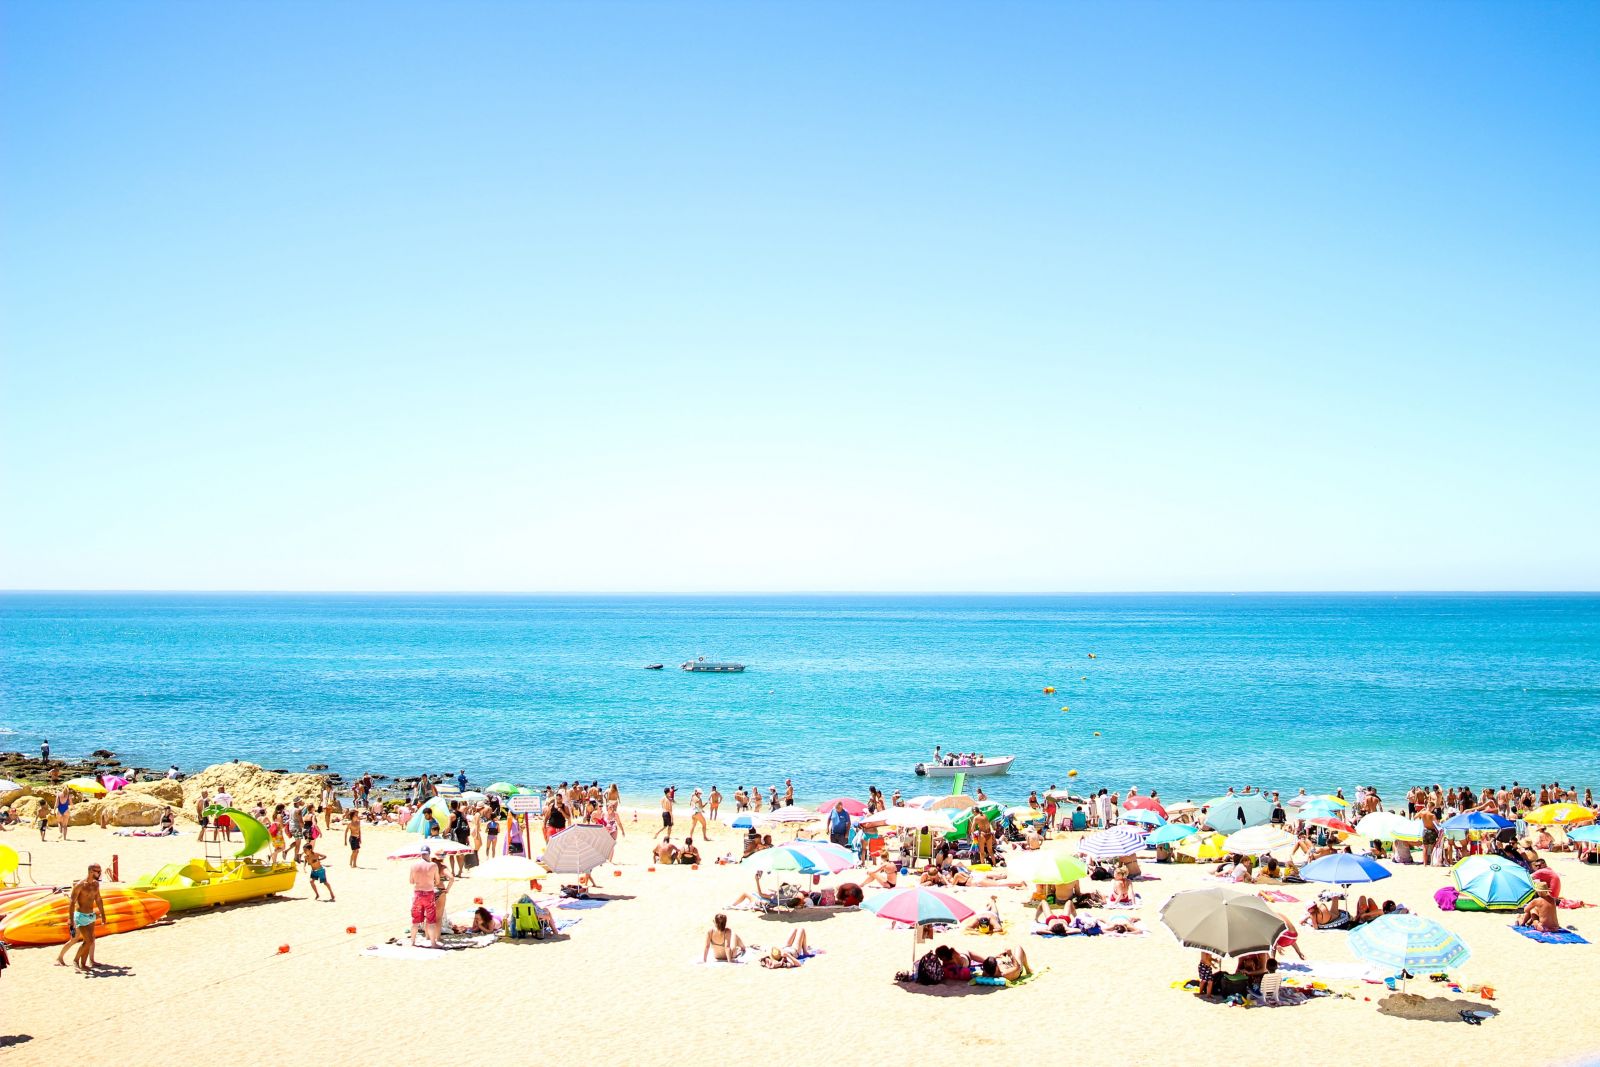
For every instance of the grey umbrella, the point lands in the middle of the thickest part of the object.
(1223, 921)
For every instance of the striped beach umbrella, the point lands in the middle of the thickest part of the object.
(1559, 815)
(1404, 942)
(1110, 844)
(1493, 883)
(791, 814)
(578, 849)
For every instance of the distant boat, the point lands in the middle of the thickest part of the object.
(655, 667)
(992, 765)
(701, 665)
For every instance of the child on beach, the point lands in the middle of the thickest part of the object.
(319, 873)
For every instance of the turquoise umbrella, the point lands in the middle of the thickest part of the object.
(1145, 816)
(1405, 942)
(1173, 831)
(1227, 814)
(1589, 835)
(1493, 883)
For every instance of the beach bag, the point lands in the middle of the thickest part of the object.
(930, 970)
(1446, 898)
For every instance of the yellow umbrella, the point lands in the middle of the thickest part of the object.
(1331, 799)
(1201, 847)
(1559, 814)
(86, 785)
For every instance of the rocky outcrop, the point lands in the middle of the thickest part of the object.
(249, 784)
(165, 790)
(129, 809)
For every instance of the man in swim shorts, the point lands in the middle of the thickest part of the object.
(86, 904)
(319, 873)
(666, 815)
(425, 899)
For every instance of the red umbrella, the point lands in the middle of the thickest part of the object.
(851, 807)
(1147, 803)
(1334, 824)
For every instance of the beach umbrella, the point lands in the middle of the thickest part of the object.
(441, 815)
(851, 807)
(1023, 813)
(1258, 840)
(742, 821)
(505, 789)
(1183, 807)
(917, 906)
(1388, 826)
(431, 846)
(1222, 921)
(1329, 798)
(1145, 804)
(113, 782)
(1476, 820)
(1343, 868)
(1228, 814)
(1405, 942)
(1110, 844)
(784, 858)
(447, 789)
(1053, 867)
(1559, 814)
(1173, 831)
(1200, 847)
(87, 786)
(578, 849)
(1321, 809)
(1331, 823)
(1143, 816)
(1493, 883)
(791, 814)
(955, 802)
(472, 796)
(919, 802)
(835, 857)
(1588, 835)
(916, 818)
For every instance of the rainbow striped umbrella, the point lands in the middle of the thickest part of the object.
(917, 907)
(1407, 942)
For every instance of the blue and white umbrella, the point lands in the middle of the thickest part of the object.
(1476, 820)
(1342, 868)
(742, 821)
(1111, 844)
(1404, 942)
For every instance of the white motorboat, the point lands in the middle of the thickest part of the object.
(982, 768)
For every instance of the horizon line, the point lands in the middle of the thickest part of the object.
(801, 592)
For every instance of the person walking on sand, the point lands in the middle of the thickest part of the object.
(697, 817)
(319, 874)
(86, 904)
(666, 815)
(425, 899)
(63, 803)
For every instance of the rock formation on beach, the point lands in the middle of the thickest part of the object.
(141, 803)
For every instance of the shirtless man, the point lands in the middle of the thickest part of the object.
(86, 904)
(716, 803)
(665, 853)
(1539, 914)
(425, 899)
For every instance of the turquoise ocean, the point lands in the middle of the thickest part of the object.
(1187, 694)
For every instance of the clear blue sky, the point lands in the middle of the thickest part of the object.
(800, 296)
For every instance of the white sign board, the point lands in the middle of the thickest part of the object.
(526, 805)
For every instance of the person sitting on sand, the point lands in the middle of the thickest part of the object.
(1121, 886)
(722, 942)
(885, 874)
(688, 854)
(793, 953)
(1540, 914)
(665, 853)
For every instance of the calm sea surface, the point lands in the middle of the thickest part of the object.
(1188, 694)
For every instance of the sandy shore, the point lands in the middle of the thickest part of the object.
(624, 985)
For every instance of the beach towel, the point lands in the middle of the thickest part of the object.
(582, 905)
(1277, 896)
(145, 833)
(1565, 937)
(1124, 906)
(746, 958)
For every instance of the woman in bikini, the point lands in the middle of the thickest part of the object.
(723, 942)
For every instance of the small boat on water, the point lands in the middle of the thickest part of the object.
(701, 665)
(978, 768)
(655, 667)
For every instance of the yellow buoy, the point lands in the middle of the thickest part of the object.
(1066, 709)
(1097, 733)
(1049, 689)
(1072, 774)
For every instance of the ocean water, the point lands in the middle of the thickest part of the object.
(1188, 694)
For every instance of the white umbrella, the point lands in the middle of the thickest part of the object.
(579, 849)
(7, 785)
(472, 796)
(433, 846)
(791, 814)
(916, 818)
(956, 801)
(1258, 840)
(1387, 826)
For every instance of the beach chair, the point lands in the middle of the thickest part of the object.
(1272, 990)
(525, 922)
(11, 864)
(1079, 820)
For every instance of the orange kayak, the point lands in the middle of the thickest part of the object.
(44, 922)
(13, 899)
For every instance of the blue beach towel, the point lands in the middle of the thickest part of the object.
(582, 905)
(1565, 937)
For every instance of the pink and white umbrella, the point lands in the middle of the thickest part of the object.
(917, 906)
(851, 807)
(433, 846)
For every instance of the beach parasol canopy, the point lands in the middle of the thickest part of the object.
(1143, 816)
(917, 906)
(1023, 813)
(87, 786)
(1342, 868)
(1329, 798)
(113, 782)
(791, 814)
(1228, 814)
(1588, 835)
(432, 846)
(1144, 804)
(1405, 942)
(1173, 831)
(1110, 844)
(1321, 809)
(1387, 826)
(784, 858)
(472, 796)
(1476, 820)
(955, 802)
(1559, 815)
(1258, 840)
(1331, 823)
(1053, 868)
(1202, 846)
(851, 807)
(510, 869)
(742, 821)
(1493, 883)
(579, 849)
(834, 857)
(916, 818)
(8, 786)
(1223, 921)
(505, 789)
